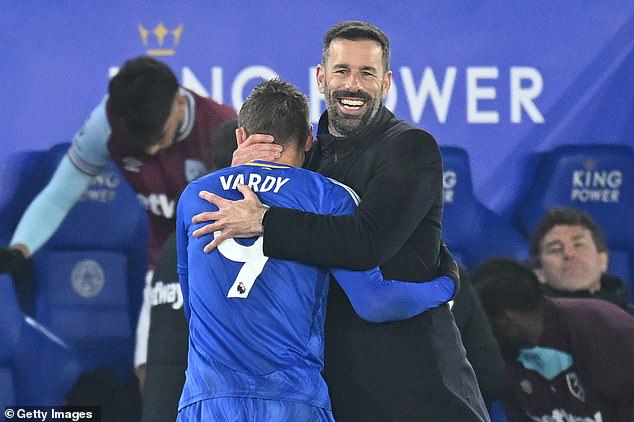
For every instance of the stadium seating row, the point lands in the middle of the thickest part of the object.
(88, 281)
(598, 179)
(89, 277)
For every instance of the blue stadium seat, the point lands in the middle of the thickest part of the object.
(90, 275)
(472, 231)
(36, 367)
(16, 191)
(598, 179)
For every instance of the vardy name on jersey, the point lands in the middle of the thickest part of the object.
(256, 182)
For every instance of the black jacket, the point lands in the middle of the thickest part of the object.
(402, 371)
(613, 289)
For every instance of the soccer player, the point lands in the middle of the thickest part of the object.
(159, 135)
(256, 324)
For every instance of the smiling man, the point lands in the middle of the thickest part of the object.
(403, 371)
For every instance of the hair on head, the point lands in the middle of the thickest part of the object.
(279, 109)
(141, 95)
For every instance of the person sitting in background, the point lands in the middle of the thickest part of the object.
(570, 256)
(566, 359)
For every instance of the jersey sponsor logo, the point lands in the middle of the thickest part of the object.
(131, 164)
(166, 294)
(590, 184)
(256, 182)
(88, 278)
(449, 181)
(575, 386)
(158, 204)
(194, 169)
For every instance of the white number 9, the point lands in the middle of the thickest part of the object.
(254, 261)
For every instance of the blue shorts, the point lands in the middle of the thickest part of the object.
(246, 409)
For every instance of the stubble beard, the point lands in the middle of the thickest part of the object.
(348, 125)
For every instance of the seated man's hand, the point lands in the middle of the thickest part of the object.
(448, 267)
(11, 260)
(241, 219)
(256, 147)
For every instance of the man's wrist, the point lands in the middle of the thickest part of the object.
(24, 250)
(263, 216)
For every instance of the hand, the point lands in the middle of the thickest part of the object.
(448, 267)
(11, 260)
(242, 218)
(256, 147)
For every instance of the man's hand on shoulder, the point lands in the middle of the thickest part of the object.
(256, 147)
(241, 219)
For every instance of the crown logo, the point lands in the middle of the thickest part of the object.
(161, 32)
(589, 164)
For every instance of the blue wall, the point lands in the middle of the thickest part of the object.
(568, 72)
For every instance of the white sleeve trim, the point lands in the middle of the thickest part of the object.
(89, 150)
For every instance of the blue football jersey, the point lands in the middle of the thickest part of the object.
(256, 324)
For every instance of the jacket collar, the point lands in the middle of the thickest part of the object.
(341, 146)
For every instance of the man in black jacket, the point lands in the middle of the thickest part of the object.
(413, 370)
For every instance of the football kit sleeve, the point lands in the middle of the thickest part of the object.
(377, 300)
(47, 211)
(89, 149)
(86, 157)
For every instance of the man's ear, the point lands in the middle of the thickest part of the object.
(604, 260)
(387, 83)
(241, 135)
(320, 74)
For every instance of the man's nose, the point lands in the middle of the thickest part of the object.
(353, 83)
(569, 251)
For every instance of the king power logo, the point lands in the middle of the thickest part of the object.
(423, 91)
(160, 40)
(591, 184)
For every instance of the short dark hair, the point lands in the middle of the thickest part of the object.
(565, 216)
(223, 144)
(279, 109)
(504, 284)
(355, 31)
(140, 98)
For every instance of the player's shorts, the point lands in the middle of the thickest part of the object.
(246, 409)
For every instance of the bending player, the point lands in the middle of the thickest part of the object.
(157, 133)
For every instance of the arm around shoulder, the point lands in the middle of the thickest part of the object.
(404, 188)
